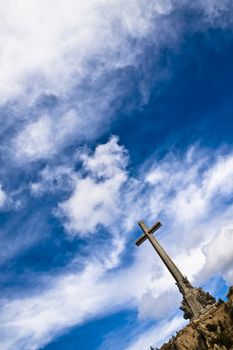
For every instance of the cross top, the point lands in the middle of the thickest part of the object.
(147, 231)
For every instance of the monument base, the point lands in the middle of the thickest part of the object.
(196, 302)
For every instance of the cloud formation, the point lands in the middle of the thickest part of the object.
(219, 255)
(97, 197)
(33, 320)
(67, 68)
(76, 67)
(74, 64)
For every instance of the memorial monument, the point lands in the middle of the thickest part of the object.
(195, 301)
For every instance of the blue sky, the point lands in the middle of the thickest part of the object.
(111, 112)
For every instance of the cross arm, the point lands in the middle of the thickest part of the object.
(146, 231)
(140, 240)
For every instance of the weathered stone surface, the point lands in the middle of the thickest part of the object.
(214, 330)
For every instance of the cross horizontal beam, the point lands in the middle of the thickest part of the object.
(147, 231)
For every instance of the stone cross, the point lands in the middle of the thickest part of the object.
(195, 300)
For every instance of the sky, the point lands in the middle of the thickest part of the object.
(112, 112)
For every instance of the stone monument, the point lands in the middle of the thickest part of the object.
(195, 301)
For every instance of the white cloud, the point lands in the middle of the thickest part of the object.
(92, 204)
(35, 140)
(190, 188)
(44, 137)
(219, 255)
(96, 198)
(3, 196)
(107, 160)
(219, 179)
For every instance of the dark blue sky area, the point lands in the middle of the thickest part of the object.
(95, 333)
(194, 106)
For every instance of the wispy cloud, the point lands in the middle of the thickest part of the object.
(51, 46)
(43, 137)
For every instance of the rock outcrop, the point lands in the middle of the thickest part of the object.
(213, 330)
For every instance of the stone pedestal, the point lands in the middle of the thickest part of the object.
(196, 302)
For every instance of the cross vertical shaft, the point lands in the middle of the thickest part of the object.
(175, 272)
